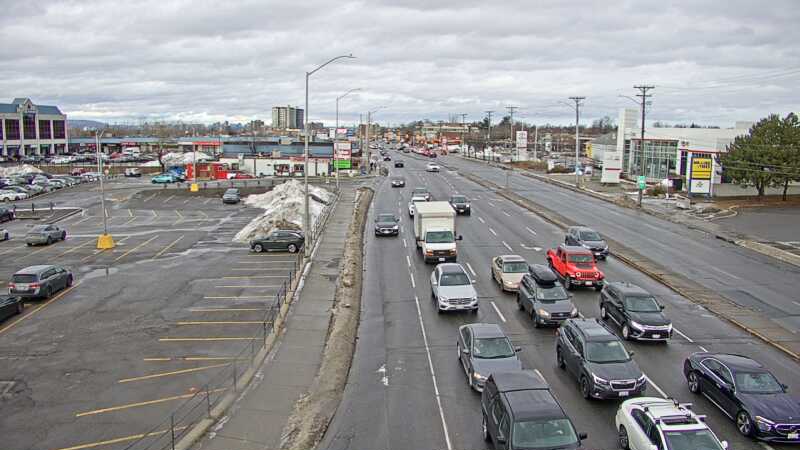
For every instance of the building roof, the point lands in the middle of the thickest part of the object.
(43, 109)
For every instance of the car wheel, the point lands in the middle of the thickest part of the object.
(5, 237)
(568, 283)
(626, 332)
(48, 293)
(624, 444)
(258, 248)
(64, 236)
(560, 360)
(6, 199)
(585, 392)
(69, 281)
(535, 319)
(603, 313)
(744, 423)
(485, 429)
(49, 241)
(693, 382)
(292, 248)
(471, 380)
(19, 307)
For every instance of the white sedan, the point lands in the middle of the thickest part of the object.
(432, 167)
(12, 196)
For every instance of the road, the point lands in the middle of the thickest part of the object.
(406, 389)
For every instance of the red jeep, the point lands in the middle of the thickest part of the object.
(575, 266)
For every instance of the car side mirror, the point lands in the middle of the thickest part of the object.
(661, 307)
(724, 444)
(583, 435)
(517, 349)
(465, 351)
(460, 238)
(631, 353)
(785, 387)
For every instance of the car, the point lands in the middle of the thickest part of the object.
(40, 281)
(452, 290)
(38, 188)
(484, 349)
(542, 296)
(6, 214)
(387, 157)
(748, 393)
(286, 240)
(432, 167)
(10, 306)
(460, 204)
(649, 423)
(164, 178)
(387, 224)
(241, 176)
(586, 237)
(508, 270)
(231, 196)
(398, 182)
(399, 163)
(133, 172)
(432, 154)
(422, 192)
(45, 234)
(519, 411)
(411, 208)
(91, 176)
(575, 266)
(8, 195)
(598, 360)
(78, 171)
(635, 311)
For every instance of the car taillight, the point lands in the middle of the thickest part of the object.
(34, 285)
(12, 285)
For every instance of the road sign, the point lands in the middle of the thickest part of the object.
(641, 182)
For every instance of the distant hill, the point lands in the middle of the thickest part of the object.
(80, 124)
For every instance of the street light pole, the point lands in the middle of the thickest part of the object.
(307, 213)
(644, 96)
(336, 130)
(105, 241)
(577, 135)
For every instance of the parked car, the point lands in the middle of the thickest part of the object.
(518, 411)
(542, 296)
(635, 311)
(387, 224)
(592, 354)
(587, 238)
(432, 167)
(231, 196)
(8, 195)
(285, 240)
(460, 204)
(452, 290)
(748, 393)
(484, 349)
(38, 188)
(164, 178)
(10, 306)
(398, 182)
(133, 172)
(661, 423)
(45, 234)
(78, 171)
(508, 270)
(399, 163)
(576, 266)
(386, 157)
(40, 281)
(422, 192)
(90, 176)
(6, 214)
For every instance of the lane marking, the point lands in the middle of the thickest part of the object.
(248, 277)
(39, 308)
(171, 373)
(532, 232)
(187, 200)
(169, 198)
(507, 214)
(207, 200)
(168, 247)
(490, 204)
(413, 284)
(151, 197)
(145, 403)
(264, 286)
(408, 260)
(433, 376)
(120, 440)
(206, 310)
(508, 246)
(492, 231)
(223, 322)
(703, 349)
(497, 310)
(481, 219)
(798, 304)
(129, 221)
(470, 269)
(135, 248)
(663, 394)
(196, 358)
(684, 336)
(404, 243)
(130, 213)
(237, 297)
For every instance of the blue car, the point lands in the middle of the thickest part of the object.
(164, 178)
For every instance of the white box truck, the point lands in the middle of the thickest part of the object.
(435, 231)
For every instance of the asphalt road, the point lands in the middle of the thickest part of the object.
(768, 223)
(146, 325)
(406, 389)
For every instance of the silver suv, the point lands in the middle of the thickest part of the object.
(45, 234)
(40, 281)
(452, 290)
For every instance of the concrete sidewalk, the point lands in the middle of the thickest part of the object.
(258, 417)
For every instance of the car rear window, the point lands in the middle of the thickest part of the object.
(24, 278)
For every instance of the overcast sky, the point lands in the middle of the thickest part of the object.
(712, 62)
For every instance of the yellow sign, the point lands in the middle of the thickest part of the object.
(701, 168)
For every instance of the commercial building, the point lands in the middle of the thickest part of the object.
(27, 129)
(287, 117)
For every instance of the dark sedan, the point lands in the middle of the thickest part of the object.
(6, 214)
(10, 305)
(280, 240)
(398, 163)
(387, 224)
(586, 237)
(746, 392)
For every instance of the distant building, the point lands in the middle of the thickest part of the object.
(27, 129)
(287, 117)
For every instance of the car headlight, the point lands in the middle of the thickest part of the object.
(508, 283)
(478, 376)
(442, 298)
(467, 205)
(574, 312)
(543, 313)
(600, 381)
(428, 252)
(763, 423)
(635, 325)
(641, 380)
(396, 227)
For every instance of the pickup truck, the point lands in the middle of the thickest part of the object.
(434, 231)
(576, 266)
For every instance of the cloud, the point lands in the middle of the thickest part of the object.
(712, 61)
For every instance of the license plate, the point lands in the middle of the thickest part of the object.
(588, 283)
(441, 259)
(656, 336)
(793, 436)
(623, 393)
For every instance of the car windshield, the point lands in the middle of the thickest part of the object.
(515, 267)
(439, 237)
(641, 304)
(551, 293)
(757, 383)
(459, 199)
(454, 279)
(590, 236)
(552, 433)
(386, 218)
(492, 348)
(691, 440)
(581, 258)
(606, 352)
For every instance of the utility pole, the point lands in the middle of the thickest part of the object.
(577, 101)
(463, 123)
(535, 142)
(488, 135)
(511, 121)
(644, 95)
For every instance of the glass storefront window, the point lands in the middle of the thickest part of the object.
(659, 158)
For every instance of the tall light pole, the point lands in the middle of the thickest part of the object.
(307, 214)
(336, 130)
(511, 122)
(104, 241)
(463, 126)
(488, 134)
(577, 101)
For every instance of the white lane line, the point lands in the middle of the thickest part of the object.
(798, 304)
(408, 260)
(481, 219)
(433, 376)
(405, 245)
(725, 273)
(684, 336)
(663, 394)
(490, 204)
(507, 214)
(497, 310)
(492, 231)
(703, 349)
(411, 275)
(533, 232)
(470, 269)
(508, 246)
(401, 228)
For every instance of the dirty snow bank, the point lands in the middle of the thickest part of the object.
(180, 159)
(284, 208)
(18, 170)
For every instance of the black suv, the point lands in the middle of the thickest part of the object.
(591, 353)
(586, 237)
(542, 296)
(635, 311)
(519, 411)
(460, 204)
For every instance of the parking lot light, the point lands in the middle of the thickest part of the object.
(104, 241)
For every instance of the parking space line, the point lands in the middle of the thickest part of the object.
(12, 249)
(135, 248)
(120, 440)
(129, 221)
(481, 219)
(470, 269)
(254, 269)
(207, 339)
(262, 286)
(151, 197)
(507, 214)
(492, 231)
(168, 247)
(39, 308)
(145, 403)
(169, 198)
(180, 216)
(532, 232)
(663, 394)
(497, 310)
(197, 358)
(684, 336)
(75, 248)
(171, 373)
(187, 200)
(130, 213)
(46, 247)
(207, 200)
(508, 246)
(82, 220)
(205, 216)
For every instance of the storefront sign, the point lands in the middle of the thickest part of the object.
(522, 139)
(701, 168)
(700, 186)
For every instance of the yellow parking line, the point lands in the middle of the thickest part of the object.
(174, 372)
(222, 322)
(168, 247)
(197, 358)
(155, 214)
(82, 220)
(132, 219)
(39, 308)
(75, 248)
(146, 403)
(45, 247)
(206, 339)
(120, 440)
(179, 214)
(97, 252)
(136, 248)
(130, 213)
(237, 297)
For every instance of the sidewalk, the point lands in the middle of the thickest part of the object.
(258, 417)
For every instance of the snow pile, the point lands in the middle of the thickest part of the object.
(284, 208)
(180, 159)
(18, 170)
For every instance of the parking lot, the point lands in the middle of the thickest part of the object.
(145, 326)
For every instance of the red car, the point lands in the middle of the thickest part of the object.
(575, 266)
(242, 176)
